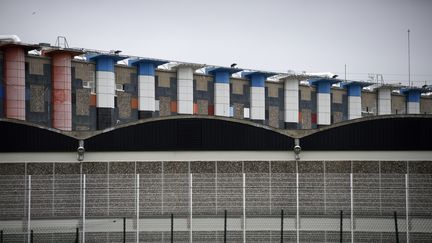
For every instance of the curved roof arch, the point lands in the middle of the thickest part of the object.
(390, 132)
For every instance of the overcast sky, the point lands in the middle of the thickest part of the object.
(369, 36)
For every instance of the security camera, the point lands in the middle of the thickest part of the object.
(80, 151)
(297, 149)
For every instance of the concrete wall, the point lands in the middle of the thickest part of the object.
(369, 103)
(426, 105)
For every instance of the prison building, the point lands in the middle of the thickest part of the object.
(102, 147)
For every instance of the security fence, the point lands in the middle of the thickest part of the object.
(216, 207)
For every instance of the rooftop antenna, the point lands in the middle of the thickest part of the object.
(61, 42)
(345, 73)
(409, 60)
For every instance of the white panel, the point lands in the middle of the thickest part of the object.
(222, 99)
(156, 105)
(384, 101)
(185, 90)
(246, 112)
(105, 89)
(323, 109)
(354, 107)
(291, 101)
(257, 109)
(146, 93)
(413, 107)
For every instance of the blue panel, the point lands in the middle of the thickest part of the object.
(222, 77)
(146, 69)
(1, 91)
(323, 87)
(105, 64)
(413, 96)
(257, 80)
(354, 90)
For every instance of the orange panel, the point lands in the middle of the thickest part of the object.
(134, 103)
(92, 99)
(173, 106)
(195, 108)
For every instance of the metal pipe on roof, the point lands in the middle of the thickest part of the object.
(10, 38)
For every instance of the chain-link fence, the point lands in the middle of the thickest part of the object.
(217, 207)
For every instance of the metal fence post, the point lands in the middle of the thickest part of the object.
(190, 209)
(137, 206)
(1, 236)
(31, 236)
(172, 228)
(341, 226)
(225, 227)
(352, 207)
(282, 225)
(244, 208)
(297, 209)
(396, 227)
(29, 210)
(77, 235)
(124, 230)
(407, 207)
(83, 208)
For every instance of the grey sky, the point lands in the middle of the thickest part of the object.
(370, 36)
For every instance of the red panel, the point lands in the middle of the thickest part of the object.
(314, 118)
(300, 117)
(14, 59)
(211, 110)
(61, 91)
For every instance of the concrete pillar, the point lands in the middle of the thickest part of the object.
(61, 102)
(146, 85)
(14, 81)
(185, 87)
(222, 89)
(291, 102)
(257, 93)
(354, 98)
(384, 100)
(412, 100)
(105, 89)
(323, 86)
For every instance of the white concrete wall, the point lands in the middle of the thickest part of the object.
(105, 89)
(257, 103)
(222, 99)
(413, 107)
(384, 101)
(354, 107)
(146, 93)
(323, 109)
(185, 90)
(291, 101)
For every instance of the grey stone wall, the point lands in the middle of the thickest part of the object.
(38, 90)
(426, 105)
(127, 100)
(83, 100)
(398, 104)
(369, 103)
